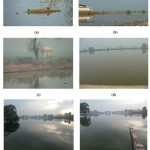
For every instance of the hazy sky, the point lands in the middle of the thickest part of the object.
(97, 43)
(115, 105)
(18, 46)
(40, 107)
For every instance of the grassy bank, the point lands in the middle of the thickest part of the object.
(9, 68)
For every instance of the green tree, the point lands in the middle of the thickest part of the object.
(144, 110)
(144, 46)
(10, 114)
(84, 108)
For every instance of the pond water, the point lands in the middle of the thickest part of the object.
(114, 67)
(39, 79)
(114, 5)
(63, 18)
(111, 132)
(38, 135)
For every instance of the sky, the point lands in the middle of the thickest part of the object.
(18, 46)
(97, 43)
(41, 107)
(115, 105)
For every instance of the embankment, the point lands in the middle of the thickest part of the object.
(86, 86)
(29, 67)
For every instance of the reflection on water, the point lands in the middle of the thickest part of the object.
(14, 13)
(40, 135)
(114, 67)
(10, 128)
(85, 121)
(111, 132)
(115, 5)
(39, 79)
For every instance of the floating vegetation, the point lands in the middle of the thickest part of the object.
(128, 12)
(41, 11)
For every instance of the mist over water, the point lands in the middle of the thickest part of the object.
(124, 67)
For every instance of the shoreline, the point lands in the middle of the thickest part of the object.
(86, 86)
(11, 68)
(135, 23)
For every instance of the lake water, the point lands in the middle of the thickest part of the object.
(24, 19)
(62, 79)
(114, 5)
(39, 135)
(111, 132)
(114, 67)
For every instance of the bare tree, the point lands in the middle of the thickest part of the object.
(34, 46)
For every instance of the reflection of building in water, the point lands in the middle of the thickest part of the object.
(85, 19)
(46, 52)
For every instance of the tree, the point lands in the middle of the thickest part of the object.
(144, 110)
(144, 46)
(10, 114)
(84, 108)
(34, 46)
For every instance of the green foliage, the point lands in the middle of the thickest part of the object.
(143, 11)
(25, 60)
(144, 110)
(128, 12)
(10, 114)
(84, 108)
(60, 61)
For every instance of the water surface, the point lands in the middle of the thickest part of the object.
(114, 5)
(39, 79)
(39, 135)
(114, 67)
(11, 7)
(111, 132)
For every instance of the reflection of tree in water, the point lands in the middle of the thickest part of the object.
(10, 128)
(53, 3)
(85, 121)
(32, 78)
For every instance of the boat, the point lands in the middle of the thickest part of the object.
(84, 8)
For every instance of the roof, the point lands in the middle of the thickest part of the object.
(46, 48)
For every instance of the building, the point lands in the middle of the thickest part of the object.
(46, 52)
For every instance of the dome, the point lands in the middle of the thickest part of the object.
(46, 48)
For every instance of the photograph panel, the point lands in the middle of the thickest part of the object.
(113, 13)
(113, 124)
(114, 63)
(38, 124)
(38, 13)
(43, 63)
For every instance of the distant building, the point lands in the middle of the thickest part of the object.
(46, 52)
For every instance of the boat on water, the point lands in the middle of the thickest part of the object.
(84, 8)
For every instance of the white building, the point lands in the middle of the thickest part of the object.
(46, 52)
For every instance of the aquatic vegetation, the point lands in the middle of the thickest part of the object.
(41, 11)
